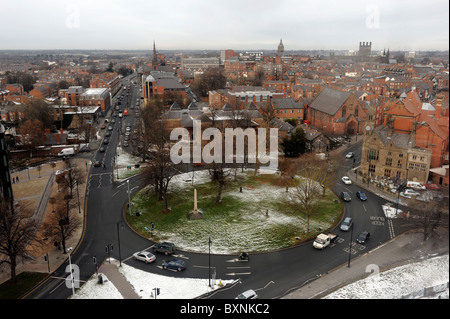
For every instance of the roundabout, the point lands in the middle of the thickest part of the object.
(257, 214)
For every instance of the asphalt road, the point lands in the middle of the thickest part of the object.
(271, 274)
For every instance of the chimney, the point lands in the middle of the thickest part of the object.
(438, 111)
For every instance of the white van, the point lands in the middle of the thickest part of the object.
(415, 185)
(67, 152)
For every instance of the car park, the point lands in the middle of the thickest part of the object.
(346, 197)
(346, 224)
(350, 155)
(361, 195)
(346, 180)
(174, 264)
(144, 256)
(249, 294)
(363, 237)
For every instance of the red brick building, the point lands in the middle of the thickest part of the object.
(336, 112)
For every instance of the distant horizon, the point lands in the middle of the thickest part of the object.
(241, 25)
(218, 50)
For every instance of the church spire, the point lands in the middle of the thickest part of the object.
(155, 57)
(280, 47)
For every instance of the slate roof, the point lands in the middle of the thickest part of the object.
(288, 103)
(329, 101)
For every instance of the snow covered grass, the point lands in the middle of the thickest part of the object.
(398, 282)
(259, 218)
(143, 284)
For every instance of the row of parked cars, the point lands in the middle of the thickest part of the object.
(167, 249)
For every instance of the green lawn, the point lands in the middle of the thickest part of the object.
(24, 283)
(260, 218)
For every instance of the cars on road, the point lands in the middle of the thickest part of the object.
(174, 264)
(350, 155)
(165, 248)
(97, 164)
(144, 256)
(363, 237)
(346, 224)
(346, 180)
(249, 294)
(102, 149)
(361, 195)
(346, 197)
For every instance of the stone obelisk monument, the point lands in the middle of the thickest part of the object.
(195, 214)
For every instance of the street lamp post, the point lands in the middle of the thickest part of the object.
(209, 261)
(71, 272)
(129, 201)
(119, 225)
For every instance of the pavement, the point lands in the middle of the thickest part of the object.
(403, 249)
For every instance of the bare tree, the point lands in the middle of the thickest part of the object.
(311, 182)
(428, 217)
(17, 237)
(63, 222)
(160, 168)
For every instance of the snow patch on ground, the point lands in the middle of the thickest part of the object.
(398, 282)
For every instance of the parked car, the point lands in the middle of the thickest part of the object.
(144, 256)
(108, 134)
(249, 294)
(102, 127)
(174, 264)
(346, 224)
(102, 149)
(165, 247)
(363, 237)
(349, 155)
(105, 141)
(361, 195)
(346, 197)
(346, 180)
(97, 164)
(110, 128)
(433, 186)
(409, 192)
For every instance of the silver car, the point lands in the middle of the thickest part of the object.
(145, 256)
(346, 224)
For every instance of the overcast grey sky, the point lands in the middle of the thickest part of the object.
(232, 24)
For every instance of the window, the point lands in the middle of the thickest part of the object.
(373, 155)
(356, 111)
(399, 164)
(388, 161)
(387, 173)
(344, 111)
(372, 168)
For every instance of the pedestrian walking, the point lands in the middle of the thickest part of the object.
(17, 179)
(104, 166)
